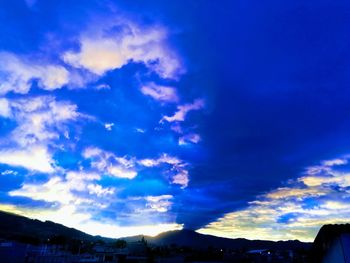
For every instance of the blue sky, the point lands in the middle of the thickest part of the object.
(122, 118)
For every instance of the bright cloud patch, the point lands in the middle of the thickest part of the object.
(159, 203)
(102, 52)
(109, 126)
(5, 110)
(107, 162)
(66, 191)
(296, 211)
(35, 158)
(17, 74)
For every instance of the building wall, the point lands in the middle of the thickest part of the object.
(334, 253)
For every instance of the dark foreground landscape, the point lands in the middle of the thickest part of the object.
(27, 240)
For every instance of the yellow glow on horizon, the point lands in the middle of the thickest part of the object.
(68, 216)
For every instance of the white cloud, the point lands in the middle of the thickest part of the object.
(181, 178)
(183, 110)
(91, 152)
(102, 48)
(97, 55)
(9, 172)
(100, 52)
(99, 190)
(5, 110)
(40, 121)
(160, 93)
(18, 74)
(165, 158)
(180, 174)
(121, 172)
(67, 191)
(107, 162)
(335, 162)
(287, 192)
(123, 167)
(189, 138)
(55, 190)
(109, 126)
(35, 158)
(297, 211)
(159, 203)
(149, 162)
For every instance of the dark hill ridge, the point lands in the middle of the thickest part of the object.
(191, 238)
(15, 227)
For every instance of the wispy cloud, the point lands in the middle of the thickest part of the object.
(41, 119)
(179, 172)
(107, 162)
(189, 138)
(127, 167)
(183, 110)
(164, 94)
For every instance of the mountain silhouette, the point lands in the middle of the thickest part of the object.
(26, 230)
(190, 238)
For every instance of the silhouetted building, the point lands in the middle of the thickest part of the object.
(11, 251)
(332, 244)
(109, 253)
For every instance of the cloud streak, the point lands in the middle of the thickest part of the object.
(183, 110)
(107, 162)
(163, 94)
